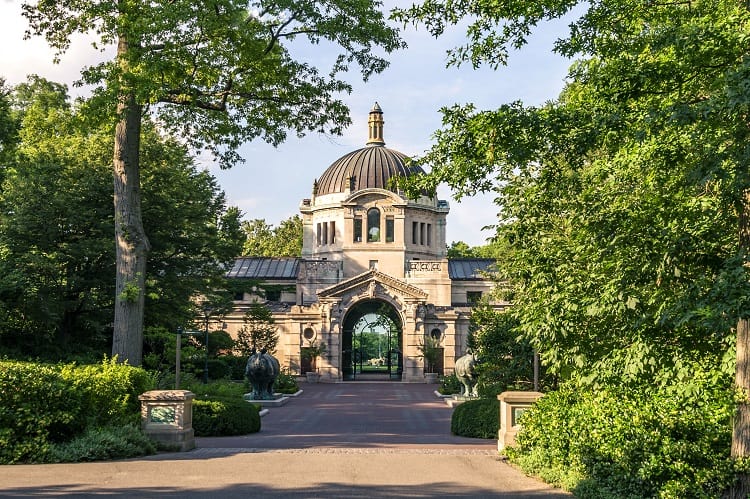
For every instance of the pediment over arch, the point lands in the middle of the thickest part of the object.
(368, 280)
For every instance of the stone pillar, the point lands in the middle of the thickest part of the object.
(167, 417)
(512, 405)
(413, 336)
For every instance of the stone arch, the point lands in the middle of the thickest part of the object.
(361, 357)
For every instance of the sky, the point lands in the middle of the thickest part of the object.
(272, 181)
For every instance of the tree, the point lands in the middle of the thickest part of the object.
(430, 351)
(507, 362)
(56, 229)
(266, 240)
(215, 74)
(258, 331)
(459, 249)
(8, 126)
(645, 158)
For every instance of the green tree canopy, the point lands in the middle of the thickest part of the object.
(459, 249)
(56, 228)
(216, 75)
(259, 331)
(625, 197)
(263, 239)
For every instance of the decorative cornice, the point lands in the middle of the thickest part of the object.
(364, 279)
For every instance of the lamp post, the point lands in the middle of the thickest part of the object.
(177, 359)
(206, 314)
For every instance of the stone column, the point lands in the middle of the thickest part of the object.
(413, 337)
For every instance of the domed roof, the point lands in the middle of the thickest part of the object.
(369, 167)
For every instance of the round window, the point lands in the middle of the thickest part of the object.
(308, 333)
(436, 334)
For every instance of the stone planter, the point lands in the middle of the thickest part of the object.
(431, 378)
(312, 377)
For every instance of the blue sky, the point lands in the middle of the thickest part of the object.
(273, 181)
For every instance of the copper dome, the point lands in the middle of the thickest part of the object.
(369, 167)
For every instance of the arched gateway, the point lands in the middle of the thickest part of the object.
(373, 281)
(371, 343)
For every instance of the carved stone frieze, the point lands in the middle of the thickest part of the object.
(320, 269)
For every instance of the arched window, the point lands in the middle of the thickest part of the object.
(373, 225)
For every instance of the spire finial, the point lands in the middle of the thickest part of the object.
(375, 125)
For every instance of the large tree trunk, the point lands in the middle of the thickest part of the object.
(741, 428)
(132, 245)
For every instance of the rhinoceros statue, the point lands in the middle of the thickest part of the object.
(466, 373)
(261, 370)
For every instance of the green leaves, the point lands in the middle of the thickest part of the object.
(640, 441)
(263, 239)
(619, 201)
(56, 228)
(223, 74)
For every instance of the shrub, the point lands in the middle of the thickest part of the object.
(449, 385)
(631, 442)
(286, 382)
(41, 404)
(219, 369)
(224, 417)
(236, 365)
(109, 391)
(98, 444)
(476, 418)
(36, 406)
(216, 389)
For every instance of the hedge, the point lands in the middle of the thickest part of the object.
(224, 417)
(44, 404)
(476, 418)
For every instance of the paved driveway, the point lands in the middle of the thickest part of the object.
(334, 441)
(357, 414)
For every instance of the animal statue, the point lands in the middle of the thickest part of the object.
(261, 370)
(466, 373)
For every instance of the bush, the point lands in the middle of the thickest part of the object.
(449, 385)
(99, 444)
(109, 391)
(631, 442)
(236, 365)
(224, 417)
(42, 404)
(216, 389)
(476, 418)
(219, 369)
(286, 382)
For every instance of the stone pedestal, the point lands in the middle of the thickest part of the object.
(512, 405)
(274, 402)
(167, 417)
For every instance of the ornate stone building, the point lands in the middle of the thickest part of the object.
(373, 283)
